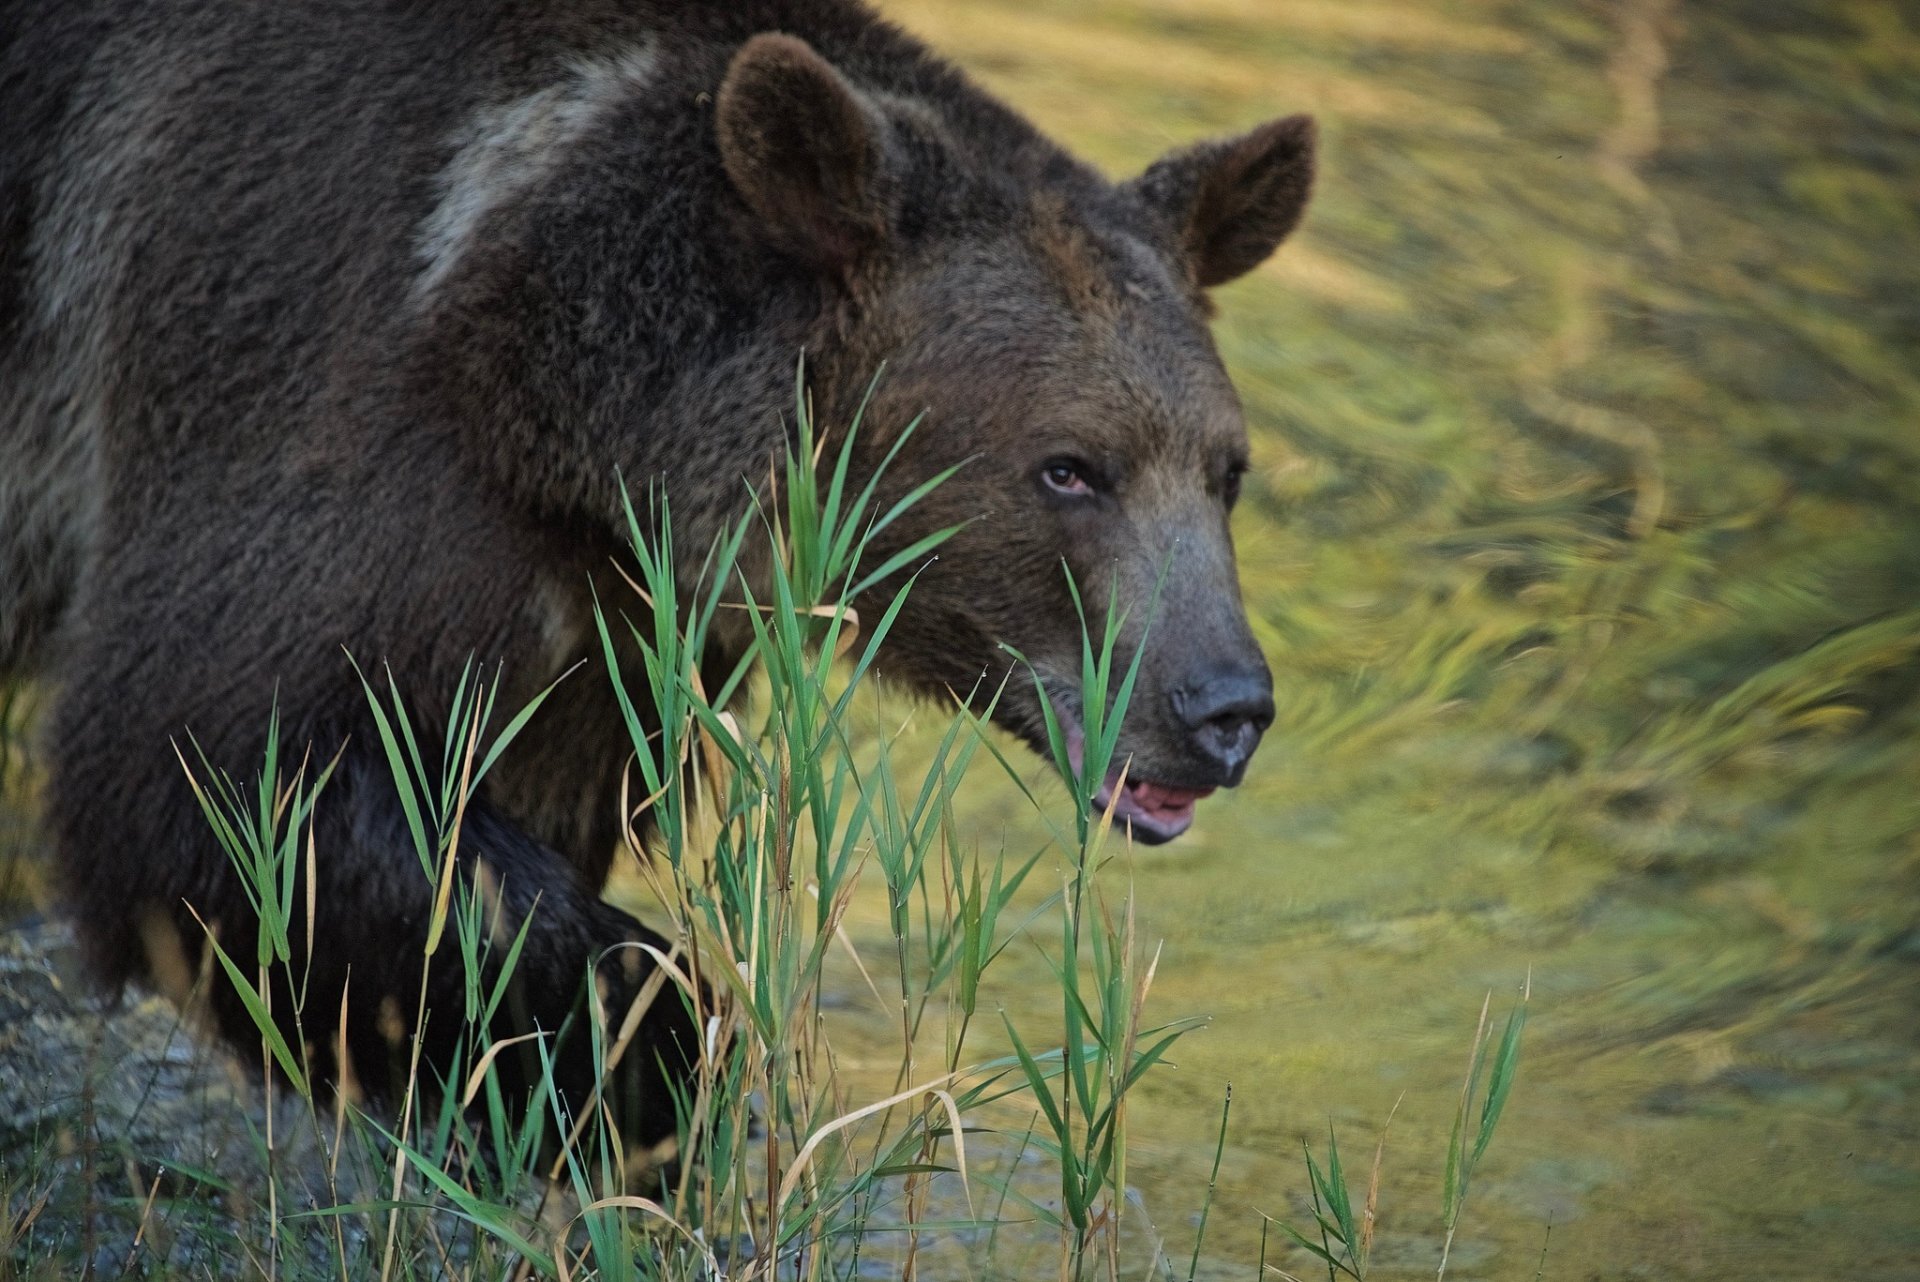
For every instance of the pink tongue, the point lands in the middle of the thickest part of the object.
(1161, 798)
(1170, 808)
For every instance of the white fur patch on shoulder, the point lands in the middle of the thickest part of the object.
(506, 148)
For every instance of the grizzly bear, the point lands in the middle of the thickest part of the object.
(333, 328)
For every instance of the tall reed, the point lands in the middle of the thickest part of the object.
(754, 809)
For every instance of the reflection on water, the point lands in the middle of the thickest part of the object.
(1587, 551)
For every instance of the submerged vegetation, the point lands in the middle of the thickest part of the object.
(1584, 537)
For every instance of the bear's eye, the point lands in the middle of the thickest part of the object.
(1067, 476)
(1230, 486)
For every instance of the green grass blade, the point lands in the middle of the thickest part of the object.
(403, 784)
(1336, 1193)
(257, 1012)
(1506, 1063)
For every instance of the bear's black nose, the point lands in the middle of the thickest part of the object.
(1225, 713)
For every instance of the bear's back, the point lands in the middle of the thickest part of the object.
(241, 214)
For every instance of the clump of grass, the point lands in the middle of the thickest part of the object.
(753, 811)
(267, 831)
(1342, 1240)
(1101, 972)
(1473, 1131)
(795, 788)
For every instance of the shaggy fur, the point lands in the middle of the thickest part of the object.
(328, 327)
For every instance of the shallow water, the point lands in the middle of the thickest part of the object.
(1719, 1070)
(1586, 547)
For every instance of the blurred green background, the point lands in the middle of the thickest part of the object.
(1584, 538)
(1585, 544)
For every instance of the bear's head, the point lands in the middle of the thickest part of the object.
(1053, 327)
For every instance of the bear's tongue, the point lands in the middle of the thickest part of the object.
(1153, 812)
(1156, 812)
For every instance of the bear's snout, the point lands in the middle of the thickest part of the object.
(1224, 712)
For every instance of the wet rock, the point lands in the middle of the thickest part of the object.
(137, 1146)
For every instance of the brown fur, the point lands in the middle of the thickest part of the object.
(332, 327)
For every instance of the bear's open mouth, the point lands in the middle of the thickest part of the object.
(1152, 812)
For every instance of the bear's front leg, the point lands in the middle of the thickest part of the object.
(372, 912)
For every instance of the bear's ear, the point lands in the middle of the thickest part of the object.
(1233, 200)
(805, 151)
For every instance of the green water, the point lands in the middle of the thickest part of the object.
(1585, 544)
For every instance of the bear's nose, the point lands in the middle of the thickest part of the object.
(1225, 714)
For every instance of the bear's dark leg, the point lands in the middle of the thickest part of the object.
(572, 930)
(372, 910)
